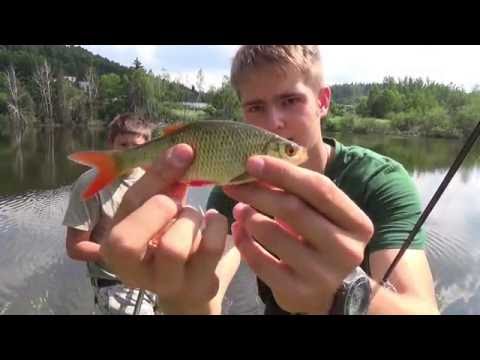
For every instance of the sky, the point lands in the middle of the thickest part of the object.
(457, 64)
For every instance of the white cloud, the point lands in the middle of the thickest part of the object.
(189, 78)
(456, 64)
(371, 63)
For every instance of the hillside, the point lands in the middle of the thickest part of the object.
(74, 60)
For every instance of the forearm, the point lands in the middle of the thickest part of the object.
(85, 251)
(387, 302)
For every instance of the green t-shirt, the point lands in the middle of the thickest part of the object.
(380, 186)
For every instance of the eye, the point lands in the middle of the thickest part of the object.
(290, 150)
(254, 108)
(290, 101)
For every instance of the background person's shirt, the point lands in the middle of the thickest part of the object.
(96, 214)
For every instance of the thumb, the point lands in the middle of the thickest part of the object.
(165, 171)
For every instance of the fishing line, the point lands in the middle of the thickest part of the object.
(451, 172)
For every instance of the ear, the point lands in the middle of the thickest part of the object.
(324, 97)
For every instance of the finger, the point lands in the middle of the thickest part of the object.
(166, 171)
(173, 249)
(315, 189)
(125, 247)
(274, 272)
(300, 258)
(283, 206)
(327, 238)
(201, 268)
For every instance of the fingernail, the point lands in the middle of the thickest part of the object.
(255, 165)
(211, 212)
(237, 209)
(179, 156)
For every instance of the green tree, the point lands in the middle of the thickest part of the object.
(468, 115)
(137, 65)
(112, 95)
(226, 101)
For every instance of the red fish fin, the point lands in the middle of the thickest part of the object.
(173, 128)
(199, 183)
(105, 164)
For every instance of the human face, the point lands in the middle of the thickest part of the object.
(284, 104)
(127, 141)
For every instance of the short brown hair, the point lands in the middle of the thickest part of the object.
(130, 123)
(305, 58)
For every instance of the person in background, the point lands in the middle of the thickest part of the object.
(88, 222)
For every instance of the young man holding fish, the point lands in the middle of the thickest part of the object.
(88, 222)
(304, 230)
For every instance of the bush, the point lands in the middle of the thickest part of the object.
(371, 125)
(332, 123)
(405, 121)
(467, 118)
(435, 120)
(347, 123)
(210, 111)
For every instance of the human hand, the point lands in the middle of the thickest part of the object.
(298, 232)
(158, 244)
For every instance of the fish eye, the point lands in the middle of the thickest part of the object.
(290, 150)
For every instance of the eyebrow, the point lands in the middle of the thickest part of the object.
(252, 102)
(289, 94)
(281, 96)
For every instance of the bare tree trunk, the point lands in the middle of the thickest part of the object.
(51, 155)
(19, 167)
(92, 91)
(43, 79)
(17, 119)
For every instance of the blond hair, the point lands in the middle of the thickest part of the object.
(304, 58)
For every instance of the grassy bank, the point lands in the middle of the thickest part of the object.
(398, 125)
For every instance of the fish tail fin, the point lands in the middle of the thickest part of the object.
(105, 164)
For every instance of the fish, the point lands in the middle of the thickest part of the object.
(221, 150)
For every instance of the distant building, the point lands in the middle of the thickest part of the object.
(195, 105)
(72, 79)
(83, 85)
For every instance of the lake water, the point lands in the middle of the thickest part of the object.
(36, 276)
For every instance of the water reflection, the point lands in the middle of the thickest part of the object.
(40, 160)
(38, 278)
(453, 244)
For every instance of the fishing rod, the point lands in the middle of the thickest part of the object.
(448, 177)
(423, 217)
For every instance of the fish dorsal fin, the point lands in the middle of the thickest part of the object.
(173, 128)
(169, 129)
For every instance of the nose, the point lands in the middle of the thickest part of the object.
(275, 120)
